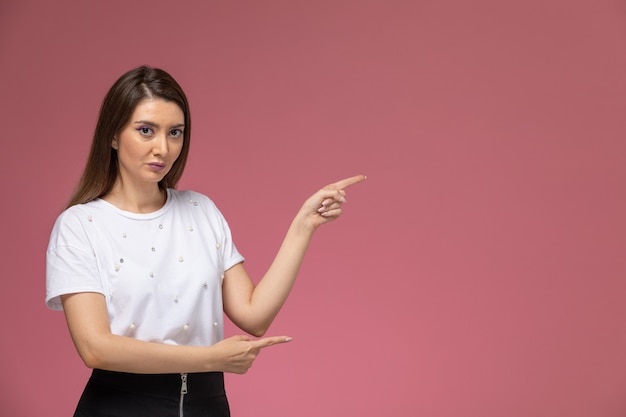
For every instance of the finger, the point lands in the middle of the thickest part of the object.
(329, 207)
(346, 182)
(332, 213)
(269, 341)
(332, 202)
(331, 196)
(327, 202)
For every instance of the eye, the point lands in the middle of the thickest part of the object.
(176, 133)
(144, 131)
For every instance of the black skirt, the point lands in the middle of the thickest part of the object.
(119, 394)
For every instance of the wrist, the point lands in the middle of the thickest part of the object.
(302, 225)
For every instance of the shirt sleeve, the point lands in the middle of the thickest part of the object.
(71, 265)
(228, 251)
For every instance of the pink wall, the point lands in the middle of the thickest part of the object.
(480, 271)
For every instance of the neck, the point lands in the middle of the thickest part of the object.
(136, 200)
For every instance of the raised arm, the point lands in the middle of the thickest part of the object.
(88, 321)
(254, 308)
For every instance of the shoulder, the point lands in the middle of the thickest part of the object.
(191, 198)
(196, 203)
(71, 225)
(74, 216)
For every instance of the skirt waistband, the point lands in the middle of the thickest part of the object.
(204, 384)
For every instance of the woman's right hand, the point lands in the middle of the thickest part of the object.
(237, 353)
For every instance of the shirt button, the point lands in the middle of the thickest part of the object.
(186, 327)
(215, 324)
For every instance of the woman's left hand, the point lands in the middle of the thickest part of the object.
(326, 204)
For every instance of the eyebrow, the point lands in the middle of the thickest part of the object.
(149, 123)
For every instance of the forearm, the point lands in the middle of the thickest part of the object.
(125, 354)
(88, 322)
(253, 308)
(273, 289)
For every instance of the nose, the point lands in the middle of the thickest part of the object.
(161, 146)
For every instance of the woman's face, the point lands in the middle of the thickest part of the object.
(151, 141)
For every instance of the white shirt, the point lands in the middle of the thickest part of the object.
(161, 273)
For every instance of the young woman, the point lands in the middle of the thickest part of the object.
(144, 272)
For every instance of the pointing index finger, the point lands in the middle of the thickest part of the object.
(346, 182)
(273, 340)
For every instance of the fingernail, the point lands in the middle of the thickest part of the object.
(288, 339)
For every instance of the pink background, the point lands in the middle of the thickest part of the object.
(479, 271)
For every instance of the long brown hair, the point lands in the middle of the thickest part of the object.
(117, 107)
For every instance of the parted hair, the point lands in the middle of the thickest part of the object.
(117, 107)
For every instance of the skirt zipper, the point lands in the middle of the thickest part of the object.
(183, 391)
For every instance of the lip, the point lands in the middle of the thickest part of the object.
(157, 166)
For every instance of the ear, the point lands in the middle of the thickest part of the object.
(114, 143)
